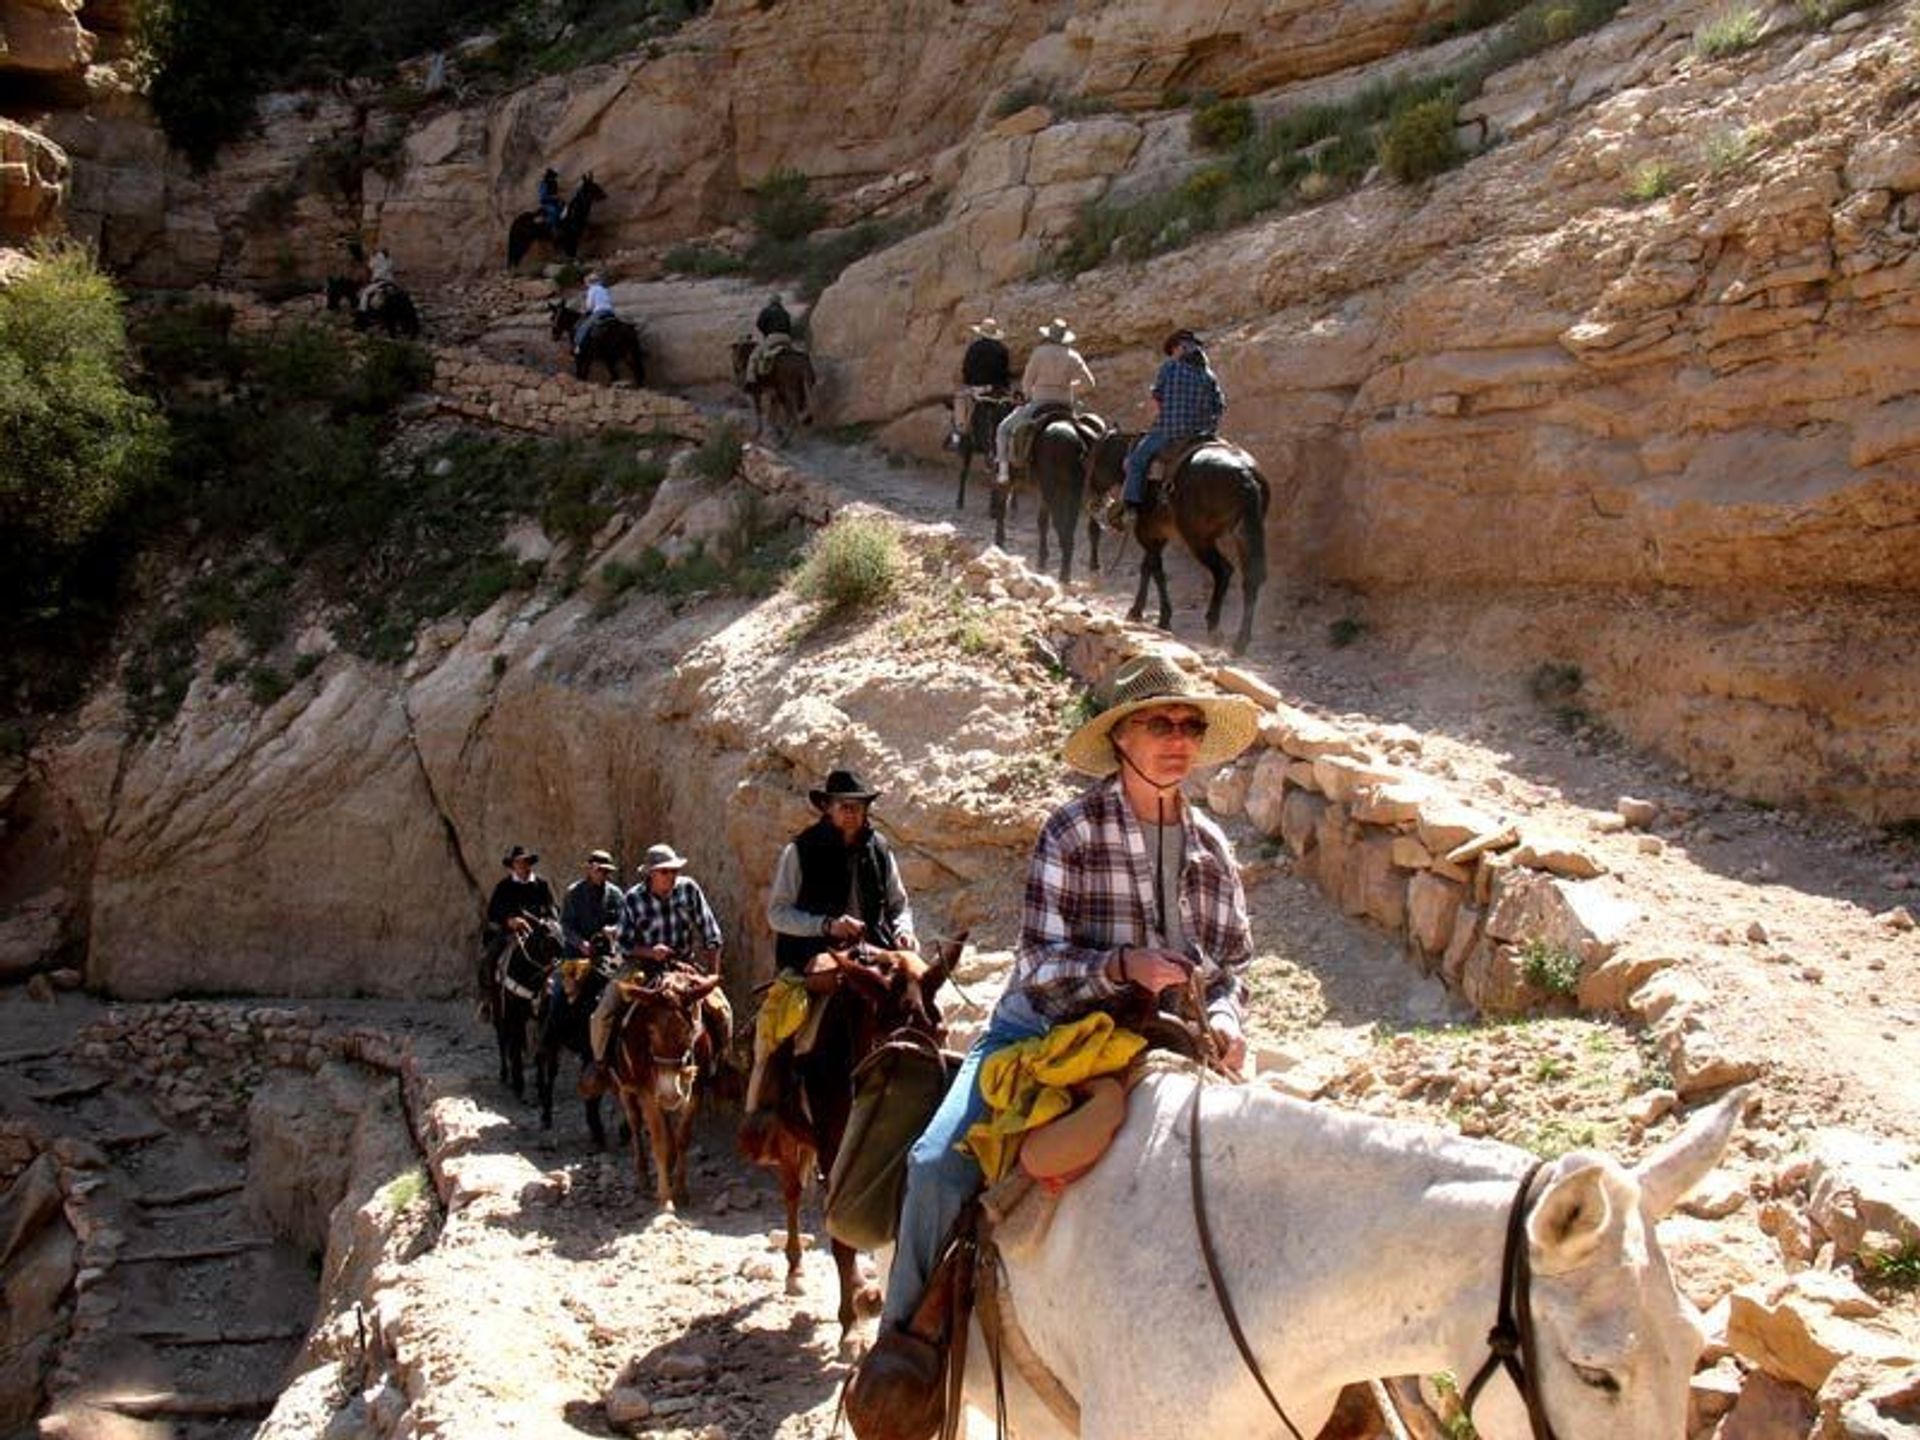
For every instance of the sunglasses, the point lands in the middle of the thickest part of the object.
(1159, 727)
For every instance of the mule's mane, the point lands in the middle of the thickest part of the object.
(1317, 1134)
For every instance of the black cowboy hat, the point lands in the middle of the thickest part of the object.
(519, 852)
(841, 785)
(1168, 345)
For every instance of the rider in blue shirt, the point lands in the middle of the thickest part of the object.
(1191, 403)
(550, 206)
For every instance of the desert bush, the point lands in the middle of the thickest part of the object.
(1650, 180)
(1221, 124)
(696, 259)
(1729, 32)
(853, 564)
(1551, 968)
(1727, 150)
(719, 454)
(1418, 141)
(782, 207)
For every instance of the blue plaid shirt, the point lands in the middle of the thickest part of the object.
(1191, 400)
(681, 919)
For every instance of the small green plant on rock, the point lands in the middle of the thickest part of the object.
(1727, 150)
(1650, 180)
(1895, 1268)
(1344, 631)
(1419, 142)
(719, 454)
(854, 564)
(1552, 968)
(1220, 124)
(1729, 32)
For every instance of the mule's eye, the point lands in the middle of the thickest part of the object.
(1598, 1379)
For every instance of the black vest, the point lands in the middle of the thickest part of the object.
(827, 863)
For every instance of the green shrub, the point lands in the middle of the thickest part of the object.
(1650, 180)
(854, 564)
(1221, 124)
(1551, 968)
(782, 208)
(719, 454)
(1344, 631)
(75, 438)
(693, 259)
(1729, 32)
(1418, 142)
(1895, 1267)
(1555, 682)
(1727, 150)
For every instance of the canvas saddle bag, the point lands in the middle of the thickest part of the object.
(896, 1089)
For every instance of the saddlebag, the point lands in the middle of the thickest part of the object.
(896, 1089)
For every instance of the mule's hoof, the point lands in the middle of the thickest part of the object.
(868, 1301)
(794, 1287)
(852, 1348)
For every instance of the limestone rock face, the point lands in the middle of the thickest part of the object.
(33, 180)
(43, 35)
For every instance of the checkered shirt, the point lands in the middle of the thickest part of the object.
(1090, 891)
(680, 919)
(1191, 400)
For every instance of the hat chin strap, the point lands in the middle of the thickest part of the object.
(1160, 794)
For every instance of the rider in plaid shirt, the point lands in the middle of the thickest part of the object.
(1191, 403)
(664, 918)
(1128, 890)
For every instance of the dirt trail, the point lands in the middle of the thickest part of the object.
(1775, 913)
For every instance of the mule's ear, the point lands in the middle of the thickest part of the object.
(1571, 1217)
(1683, 1162)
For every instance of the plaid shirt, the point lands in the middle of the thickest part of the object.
(1090, 891)
(1191, 400)
(680, 919)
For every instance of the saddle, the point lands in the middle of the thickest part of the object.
(377, 294)
(1164, 469)
(1090, 426)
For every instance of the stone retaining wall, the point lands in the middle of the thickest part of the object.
(522, 399)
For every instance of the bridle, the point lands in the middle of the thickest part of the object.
(1510, 1343)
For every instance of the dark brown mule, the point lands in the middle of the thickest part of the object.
(1057, 469)
(613, 343)
(1219, 503)
(530, 225)
(662, 1049)
(978, 437)
(784, 395)
(868, 994)
(513, 979)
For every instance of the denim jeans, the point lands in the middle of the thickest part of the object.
(942, 1177)
(1138, 458)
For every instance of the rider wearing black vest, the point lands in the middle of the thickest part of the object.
(837, 881)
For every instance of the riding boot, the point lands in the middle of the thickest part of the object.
(900, 1390)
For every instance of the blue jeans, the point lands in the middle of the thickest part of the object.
(1138, 458)
(941, 1177)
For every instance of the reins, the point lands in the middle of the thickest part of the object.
(1510, 1344)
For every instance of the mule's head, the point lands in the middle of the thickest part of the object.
(1106, 463)
(339, 289)
(561, 317)
(670, 1024)
(742, 352)
(1616, 1342)
(589, 191)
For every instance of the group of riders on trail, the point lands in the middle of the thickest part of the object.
(1134, 916)
(1189, 402)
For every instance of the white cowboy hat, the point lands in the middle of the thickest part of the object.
(662, 857)
(988, 329)
(1150, 681)
(1056, 330)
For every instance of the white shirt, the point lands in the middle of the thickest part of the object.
(599, 299)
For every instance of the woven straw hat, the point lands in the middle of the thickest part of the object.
(1056, 330)
(1146, 682)
(988, 329)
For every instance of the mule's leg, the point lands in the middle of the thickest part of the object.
(682, 1125)
(1221, 569)
(858, 1298)
(1045, 519)
(1160, 581)
(966, 464)
(546, 1063)
(660, 1142)
(1139, 608)
(1093, 546)
(631, 1108)
(793, 1171)
(594, 1127)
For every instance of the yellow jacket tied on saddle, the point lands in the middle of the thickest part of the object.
(1030, 1083)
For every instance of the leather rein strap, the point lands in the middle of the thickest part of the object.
(1510, 1344)
(1212, 1258)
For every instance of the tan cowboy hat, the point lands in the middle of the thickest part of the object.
(1148, 681)
(661, 857)
(600, 857)
(1056, 330)
(988, 329)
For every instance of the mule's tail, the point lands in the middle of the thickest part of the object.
(1255, 499)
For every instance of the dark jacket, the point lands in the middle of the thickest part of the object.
(827, 865)
(532, 898)
(987, 363)
(774, 320)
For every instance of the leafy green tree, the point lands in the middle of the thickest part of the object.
(75, 437)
